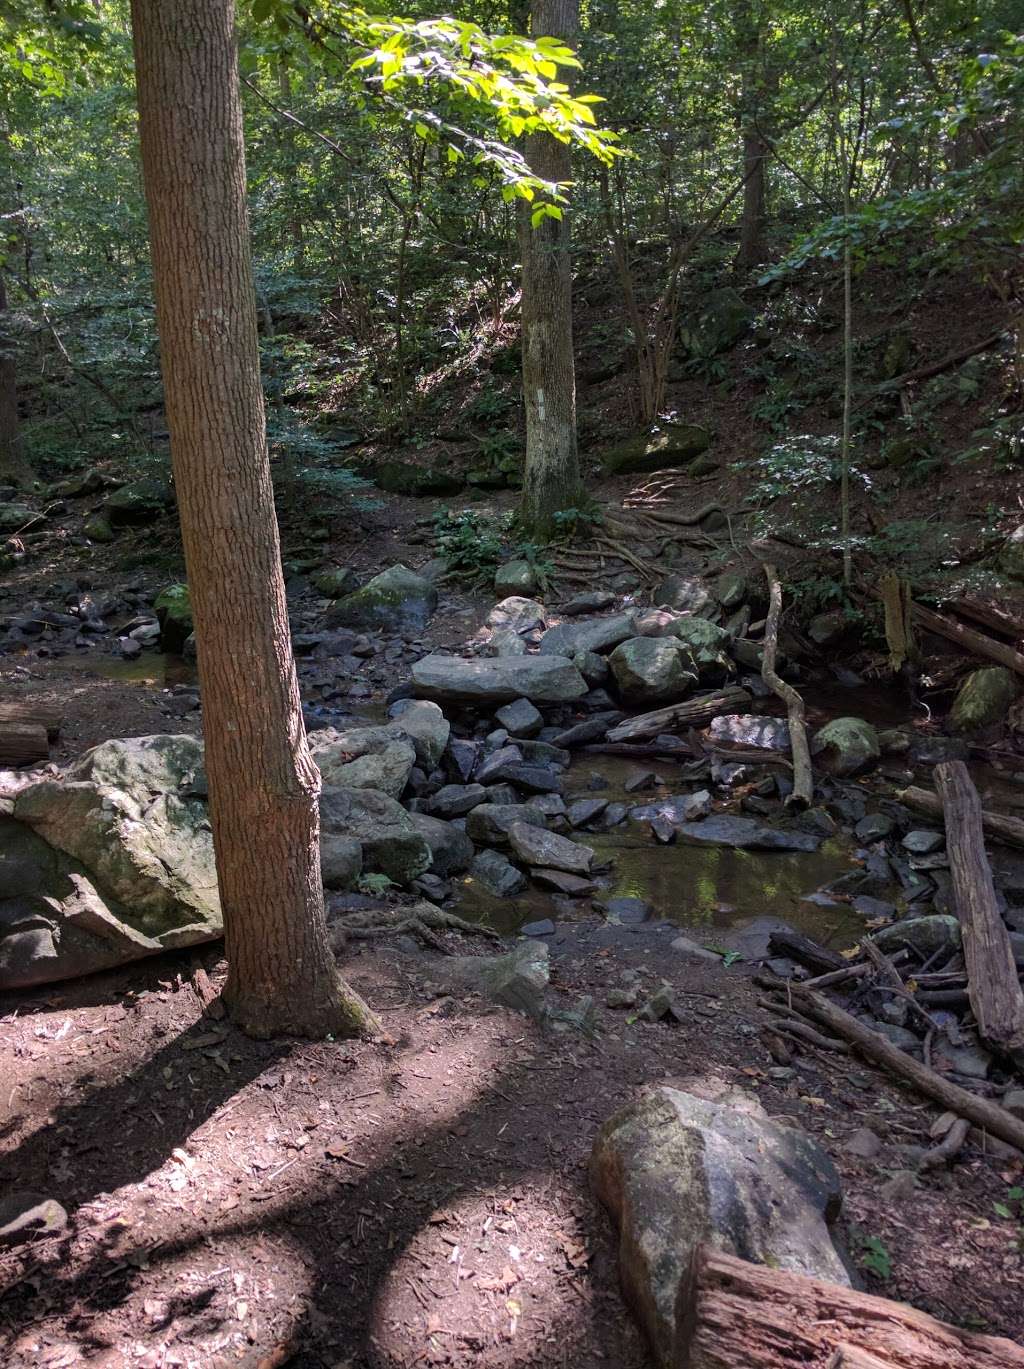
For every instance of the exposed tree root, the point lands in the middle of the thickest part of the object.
(421, 919)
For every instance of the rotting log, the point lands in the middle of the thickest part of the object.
(998, 826)
(992, 616)
(803, 776)
(50, 716)
(735, 1315)
(687, 713)
(992, 984)
(23, 743)
(973, 642)
(818, 959)
(984, 1114)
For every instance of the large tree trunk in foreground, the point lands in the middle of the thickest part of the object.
(551, 479)
(13, 467)
(746, 1316)
(993, 987)
(264, 786)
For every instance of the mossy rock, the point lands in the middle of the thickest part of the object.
(397, 600)
(402, 477)
(984, 699)
(143, 501)
(173, 608)
(98, 528)
(335, 582)
(673, 444)
(723, 318)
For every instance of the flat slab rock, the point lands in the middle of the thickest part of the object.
(676, 1171)
(498, 679)
(748, 730)
(744, 834)
(547, 850)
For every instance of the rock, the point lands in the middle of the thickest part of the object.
(983, 700)
(396, 600)
(707, 644)
(541, 679)
(970, 1059)
(592, 667)
(825, 629)
(378, 758)
(750, 732)
(572, 886)
(582, 811)
(497, 874)
(450, 849)
(520, 718)
(864, 1144)
(173, 609)
(677, 809)
(515, 577)
(517, 979)
(335, 582)
(874, 827)
(517, 615)
(683, 945)
(544, 927)
(18, 518)
(622, 998)
(456, 800)
(98, 528)
(390, 843)
(595, 634)
(677, 1171)
(744, 834)
(927, 936)
(629, 912)
(749, 654)
(922, 843)
(591, 601)
(402, 477)
(425, 726)
(341, 861)
(537, 846)
(731, 589)
(1013, 1102)
(899, 1036)
(684, 592)
(673, 444)
(652, 670)
(490, 823)
(140, 502)
(846, 746)
(1011, 557)
(25, 1215)
(720, 320)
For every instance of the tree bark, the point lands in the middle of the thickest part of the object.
(998, 826)
(264, 786)
(551, 478)
(992, 984)
(23, 743)
(747, 1316)
(689, 713)
(13, 467)
(755, 145)
(49, 716)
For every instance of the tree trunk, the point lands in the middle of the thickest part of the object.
(13, 467)
(551, 479)
(264, 786)
(993, 986)
(736, 1315)
(690, 713)
(749, 37)
(23, 743)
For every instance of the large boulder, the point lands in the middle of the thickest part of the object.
(983, 700)
(380, 758)
(518, 979)
(548, 851)
(707, 644)
(516, 577)
(109, 862)
(498, 679)
(390, 843)
(425, 726)
(518, 615)
(396, 600)
(490, 823)
(688, 593)
(595, 634)
(141, 501)
(673, 444)
(677, 1171)
(722, 318)
(402, 477)
(652, 670)
(847, 746)
(450, 849)
(17, 517)
(745, 834)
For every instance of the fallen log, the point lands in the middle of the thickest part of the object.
(803, 777)
(988, 1116)
(973, 642)
(995, 825)
(992, 984)
(991, 616)
(735, 1315)
(818, 959)
(23, 743)
(687, 713)
(50, 716)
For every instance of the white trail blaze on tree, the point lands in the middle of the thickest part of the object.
(264, 785)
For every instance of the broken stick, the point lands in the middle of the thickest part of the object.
(803, 776)
(992, 985)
